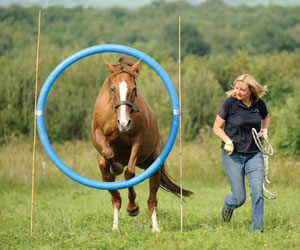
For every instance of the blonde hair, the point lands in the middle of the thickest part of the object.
(257, 91)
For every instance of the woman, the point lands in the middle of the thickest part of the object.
(239, 113)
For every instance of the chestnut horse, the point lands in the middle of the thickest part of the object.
(125, 132)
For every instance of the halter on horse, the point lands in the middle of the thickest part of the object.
(125, 132)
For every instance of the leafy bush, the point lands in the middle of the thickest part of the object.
(201, 97)
(286, 126)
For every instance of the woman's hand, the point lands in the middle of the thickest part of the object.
(228, 147)
(264, 130)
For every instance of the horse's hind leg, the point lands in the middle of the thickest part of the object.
(115, 195)
(154, 182)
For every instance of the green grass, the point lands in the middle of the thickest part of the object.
(68, 215)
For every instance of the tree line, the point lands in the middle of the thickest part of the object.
(219, 42)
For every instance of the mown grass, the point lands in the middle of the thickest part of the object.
(71, 216)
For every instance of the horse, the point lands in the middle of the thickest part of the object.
(125, 132)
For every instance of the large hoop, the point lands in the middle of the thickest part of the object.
(41, 120)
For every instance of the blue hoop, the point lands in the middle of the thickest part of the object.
(41, 121)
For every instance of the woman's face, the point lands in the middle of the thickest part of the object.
(242, 91)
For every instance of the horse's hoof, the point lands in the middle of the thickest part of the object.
(117, 170)
(133, 212)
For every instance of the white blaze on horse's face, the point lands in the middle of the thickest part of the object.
(123, 115)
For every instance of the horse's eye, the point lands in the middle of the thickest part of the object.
(112, 89)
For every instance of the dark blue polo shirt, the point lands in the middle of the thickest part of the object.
(239, 120)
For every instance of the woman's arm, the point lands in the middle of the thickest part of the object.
(266, 122)
(218, 129)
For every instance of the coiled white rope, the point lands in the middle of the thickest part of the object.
(263, 143)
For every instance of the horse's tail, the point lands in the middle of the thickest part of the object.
(167, 184)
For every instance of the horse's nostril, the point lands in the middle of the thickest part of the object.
(128, 124)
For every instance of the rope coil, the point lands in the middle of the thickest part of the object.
(263, 143)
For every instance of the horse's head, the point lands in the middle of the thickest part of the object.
(123, 90)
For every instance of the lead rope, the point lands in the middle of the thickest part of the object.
(263, 143)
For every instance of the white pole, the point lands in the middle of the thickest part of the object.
(180, 146)
(34, 130)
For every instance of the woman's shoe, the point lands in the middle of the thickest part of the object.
(226, 214)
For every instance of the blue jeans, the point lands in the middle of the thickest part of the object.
(236, 166)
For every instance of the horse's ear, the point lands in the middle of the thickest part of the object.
(135, 67)
(109, 66)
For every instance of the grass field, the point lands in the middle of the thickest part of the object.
(68, 215)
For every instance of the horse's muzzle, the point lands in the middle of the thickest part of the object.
(124, 126)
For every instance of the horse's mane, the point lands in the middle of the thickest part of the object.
(124, 65)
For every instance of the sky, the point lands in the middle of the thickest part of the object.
(131, 4)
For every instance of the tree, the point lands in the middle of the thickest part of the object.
(192, 41)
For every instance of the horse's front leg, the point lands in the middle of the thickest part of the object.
(107, 152)
(133, 207)
(154, 182)
(115, 195)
